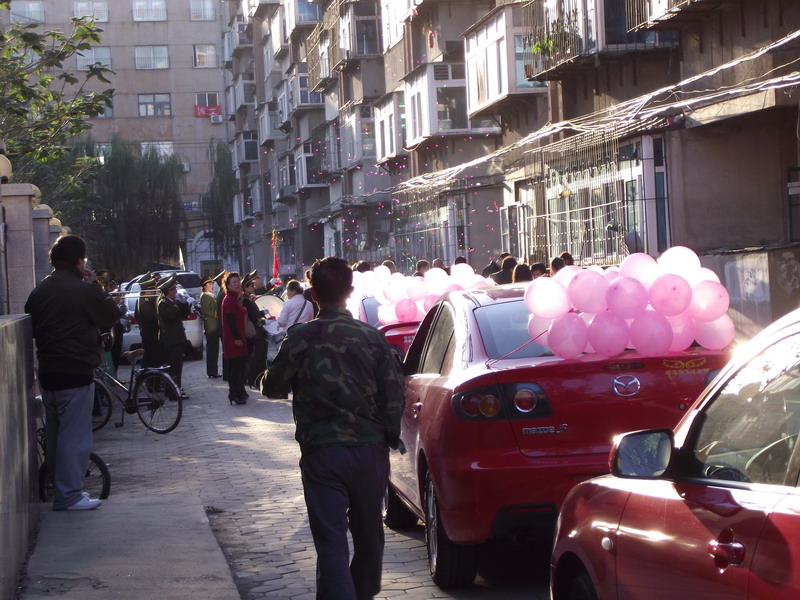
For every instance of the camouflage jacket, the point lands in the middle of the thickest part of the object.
(347, 385)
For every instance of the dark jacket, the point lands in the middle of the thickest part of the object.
(347, 384)
(67, 314)
(170, 320)
(254, 314)
(147, 317)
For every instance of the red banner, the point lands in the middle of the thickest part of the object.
(207, 111)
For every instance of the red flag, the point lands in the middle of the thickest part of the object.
(275, 252)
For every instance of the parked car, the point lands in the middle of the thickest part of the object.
(188, 280)
(400, 336)
(711, 510)
(498, 430)
(192, 325)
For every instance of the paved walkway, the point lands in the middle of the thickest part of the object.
(234, 468)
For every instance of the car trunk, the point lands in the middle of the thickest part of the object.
(594, 398)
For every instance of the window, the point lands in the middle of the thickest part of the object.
(440, 342)
(94, 56)
(97, 10)
(155, 105)
(207, 104)
(202, 10)
(163, 149)
(27, 12)
(149, 10)
(308, 12)
(205, 56)
(749, 431)
(151, 57)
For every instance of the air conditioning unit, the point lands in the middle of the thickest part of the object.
(217, 119)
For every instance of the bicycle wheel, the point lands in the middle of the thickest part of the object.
(103, 404)
(97, 480)
(158, 401)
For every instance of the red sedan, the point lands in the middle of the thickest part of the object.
(498, 430)
(711, 510)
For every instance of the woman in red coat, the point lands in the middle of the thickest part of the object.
(234, 340)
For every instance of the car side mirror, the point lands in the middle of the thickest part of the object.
(642, 454)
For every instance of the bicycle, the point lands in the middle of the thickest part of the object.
(96, 481)
(151, 393)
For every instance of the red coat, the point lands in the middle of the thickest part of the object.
(231, 307)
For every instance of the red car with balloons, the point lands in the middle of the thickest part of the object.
(515, 392)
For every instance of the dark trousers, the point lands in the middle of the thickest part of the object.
(116, 349)
(236, 372)
(173, 355)
(153, 354)
(344, 488)
(257, 361)
(212, 354)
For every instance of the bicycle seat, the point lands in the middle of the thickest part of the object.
(132, 355)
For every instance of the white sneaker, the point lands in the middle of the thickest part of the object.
(85, 504)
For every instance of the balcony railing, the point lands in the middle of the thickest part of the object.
(568, 34)
(662, 14)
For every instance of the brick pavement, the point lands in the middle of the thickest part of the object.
(242, 463)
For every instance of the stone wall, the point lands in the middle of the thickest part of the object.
(19, 505)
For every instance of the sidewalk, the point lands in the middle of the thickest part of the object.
(130, 548)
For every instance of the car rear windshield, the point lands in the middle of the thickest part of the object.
(189, 280)
(504, 330)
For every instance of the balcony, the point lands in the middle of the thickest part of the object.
(263, 9)
(244, 91)
(566, 36)
(300, 97)
(324, 57)
(242, 38)
(246, 147)
(670, 14)
(269, 123)
(325, 150)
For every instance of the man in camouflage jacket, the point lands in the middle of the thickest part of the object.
(348, 400)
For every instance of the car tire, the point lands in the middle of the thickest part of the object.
(396, 515)
(451, 565)
(581, 587)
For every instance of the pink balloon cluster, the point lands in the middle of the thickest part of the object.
(651, 306)
(405, 299)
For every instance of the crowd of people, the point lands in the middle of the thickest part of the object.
(346, 384)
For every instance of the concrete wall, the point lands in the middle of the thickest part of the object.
(19, 505)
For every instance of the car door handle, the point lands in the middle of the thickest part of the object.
(726, 553)
(416, 407)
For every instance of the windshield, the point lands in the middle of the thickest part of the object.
(504, 330)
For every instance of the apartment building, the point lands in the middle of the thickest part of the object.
(169, 87)
(411, 129)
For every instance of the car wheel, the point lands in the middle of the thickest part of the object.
(396, 514)
(581, 587)
(451, 565)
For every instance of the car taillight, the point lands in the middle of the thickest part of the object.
(191, 317)
(134, 321)
(478, 404)
(527, 400)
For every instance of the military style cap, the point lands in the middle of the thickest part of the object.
(206, 279)
(107, 274)
(252, 274)
(248, 279)
(218, 278)
(167, 283)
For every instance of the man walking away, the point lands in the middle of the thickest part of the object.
(347, 401)
(67, 314)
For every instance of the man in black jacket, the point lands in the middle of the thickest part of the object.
(172, 336)
(68, 308)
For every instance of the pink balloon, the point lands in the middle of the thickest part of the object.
(710, 300)
(640, 266)
(702, 274)
(481, 282)
(565, 275)
(538, 329)
(682, 332)
(405, 310)
(386, 314)
(679, 259)
(395, 290)
(416, 288)
(716, 334)
(429, 301)
(453, 287)
(608, 334)
(626, 297)
(611, 273)
(545, 298)
(568, 336)
(670, 294)
(587, 291)
(651, 333)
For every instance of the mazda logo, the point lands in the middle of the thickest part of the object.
(626, 385)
